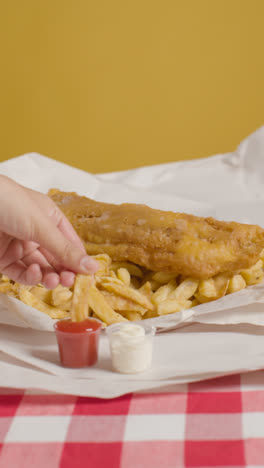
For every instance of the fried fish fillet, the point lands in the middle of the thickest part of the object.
(162, 240)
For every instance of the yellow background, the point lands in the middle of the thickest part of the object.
(108, 85)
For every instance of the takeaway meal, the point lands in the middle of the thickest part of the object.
(151, 262)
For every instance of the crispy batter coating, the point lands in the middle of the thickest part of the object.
(162, 240)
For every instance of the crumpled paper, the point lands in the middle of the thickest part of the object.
(181, 186)
(197, 352)
(228, 187)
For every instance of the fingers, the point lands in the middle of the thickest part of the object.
(69, 232)
(20, 266)
(67, 278)
(65, 253)
(24, 275)
(11, 264)
(54, 233)
(32, 268)
(50, 280)
(29, 269)
(51, 259)
(32, 275)
(39, 258)
(50, 277)
(38, 219)
(51, 210)
(11, 252)
(38, 222)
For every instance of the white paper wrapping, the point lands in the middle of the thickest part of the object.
(228, 187)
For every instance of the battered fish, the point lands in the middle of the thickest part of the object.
(162, 240)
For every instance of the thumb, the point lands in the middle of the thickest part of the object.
(65, 252)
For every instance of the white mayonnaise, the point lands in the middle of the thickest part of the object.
(131, 347)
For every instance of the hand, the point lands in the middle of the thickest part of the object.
(37, 242)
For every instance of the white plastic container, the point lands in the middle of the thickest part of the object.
(131, 347)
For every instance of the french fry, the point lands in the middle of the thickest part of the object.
(104, 258)
(146, 290)
(42, 293)
(207, 288)
(162, 277)
(28, 298)
(4, 279)
(154, 284)
(129, 293)
(67, 306)
(132, 315)
(253, 275)
(7, 288)
(111, 279)
(104, 262)
(201, 298)
(18, 286)
(185, 290)
(124, 275)
(102, 309)
(12, 294)
(213, 288)
(195, 302)
(80, 305)
(122, 291)
(119, 303)
(60, 295)
(163, 292)
(96, 317)
(150, 314)
(133, 269)
(221, 284)
(236, 283)
(170, 306)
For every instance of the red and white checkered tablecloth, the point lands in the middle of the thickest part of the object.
(218, 423)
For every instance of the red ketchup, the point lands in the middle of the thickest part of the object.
(78, 342)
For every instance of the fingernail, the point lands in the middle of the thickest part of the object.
(89, 265)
